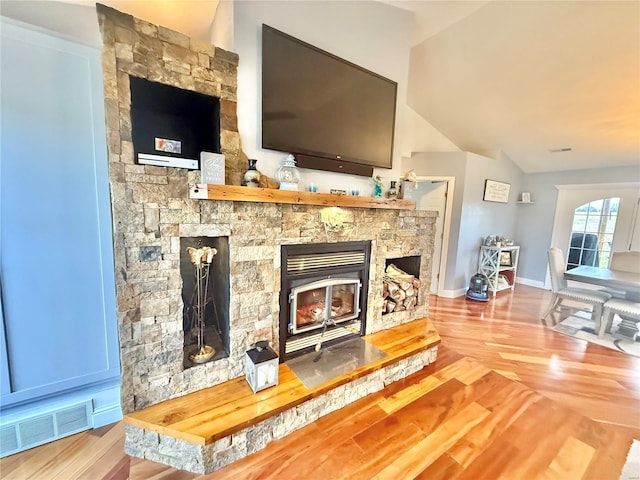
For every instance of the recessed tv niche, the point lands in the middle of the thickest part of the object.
(170, 126)
(332, 114)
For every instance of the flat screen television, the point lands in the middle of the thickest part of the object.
(330, 113)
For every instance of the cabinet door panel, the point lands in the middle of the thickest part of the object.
(56, 254)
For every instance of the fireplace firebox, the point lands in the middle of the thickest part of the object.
(323, 296)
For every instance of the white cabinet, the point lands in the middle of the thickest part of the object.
(58, 326)
(499, 265)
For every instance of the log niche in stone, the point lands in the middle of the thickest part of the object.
(400, 290)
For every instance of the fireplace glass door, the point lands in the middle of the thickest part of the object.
(325, 302)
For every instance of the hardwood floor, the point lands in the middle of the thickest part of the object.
(507, 398)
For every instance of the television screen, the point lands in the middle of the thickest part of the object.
(324, 109)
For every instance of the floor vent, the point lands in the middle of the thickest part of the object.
(72, 420)
(8, 440)
(35, 431)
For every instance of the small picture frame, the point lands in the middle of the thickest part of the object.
(212, 168)
(505, 259)
(526, 197)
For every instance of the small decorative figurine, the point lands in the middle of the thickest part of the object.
(377, 187)
(393, 191)
(408, 183)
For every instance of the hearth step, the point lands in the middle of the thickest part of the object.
(203, 418)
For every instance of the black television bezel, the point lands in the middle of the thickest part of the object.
(326, 161)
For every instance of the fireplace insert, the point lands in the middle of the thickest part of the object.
(326, 301)
(323, 297)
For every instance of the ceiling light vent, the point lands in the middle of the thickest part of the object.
(558, 150)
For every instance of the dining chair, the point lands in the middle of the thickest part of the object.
(562, 292)
(628, 311)
(625, 262)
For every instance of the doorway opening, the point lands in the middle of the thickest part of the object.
(436, 193)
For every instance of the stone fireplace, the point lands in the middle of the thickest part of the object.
(154, 217)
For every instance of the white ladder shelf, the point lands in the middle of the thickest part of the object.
(494, 261)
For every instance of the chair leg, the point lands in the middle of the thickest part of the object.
(555, 301)
(605, 325)
(596, 316)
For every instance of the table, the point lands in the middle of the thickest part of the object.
(629, 282)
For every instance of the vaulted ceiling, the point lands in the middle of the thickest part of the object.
(531, 77)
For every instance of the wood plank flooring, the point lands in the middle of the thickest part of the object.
(508, 336)
(507, 398)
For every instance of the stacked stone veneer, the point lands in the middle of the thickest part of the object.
(152, 211)
(207, 458)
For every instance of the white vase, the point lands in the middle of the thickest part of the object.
(252, 176)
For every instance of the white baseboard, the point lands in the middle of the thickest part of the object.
(529, 282)
(452, 293)
(106, 406)
(106, 416)
(461, 291)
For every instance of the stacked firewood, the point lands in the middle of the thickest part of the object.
(400, 290)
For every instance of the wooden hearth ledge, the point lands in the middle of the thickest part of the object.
(270, 195)
(216, 412)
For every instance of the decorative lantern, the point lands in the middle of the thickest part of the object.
(261, 366)
(288, 174)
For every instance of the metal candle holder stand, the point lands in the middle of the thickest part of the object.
(201, 259)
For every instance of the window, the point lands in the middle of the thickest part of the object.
(592, 233)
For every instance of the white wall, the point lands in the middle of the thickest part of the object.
(221, 34)
(421, 136)
(472, 219)
(481, 218)
(373, 35)
(78, 23)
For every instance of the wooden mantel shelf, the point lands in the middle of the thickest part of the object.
(269, 195)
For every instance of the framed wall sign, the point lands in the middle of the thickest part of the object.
(496, 191)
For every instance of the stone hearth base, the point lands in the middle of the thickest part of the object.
(203, 459)
(206, 430)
